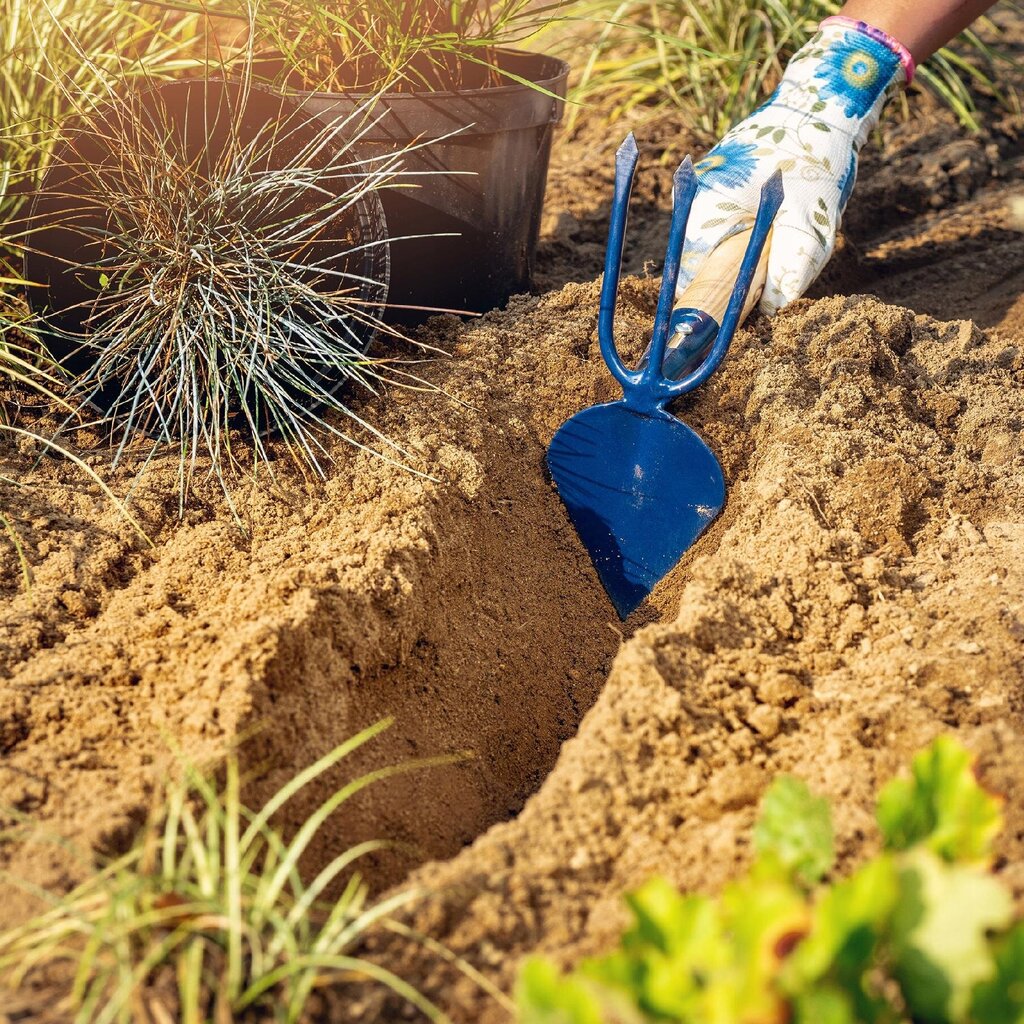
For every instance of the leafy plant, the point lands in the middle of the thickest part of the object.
(40, 48)
(208, 916)
(921, 932)
(940, 806)
(716, 60)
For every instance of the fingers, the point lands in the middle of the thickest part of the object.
(800, 248)
(803, 238)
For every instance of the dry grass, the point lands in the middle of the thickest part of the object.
(40, 46)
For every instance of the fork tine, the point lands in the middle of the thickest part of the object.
(684, 189)
(625, 168)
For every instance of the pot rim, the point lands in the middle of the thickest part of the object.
(557, 71)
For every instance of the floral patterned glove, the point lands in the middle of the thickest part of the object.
(812, 129)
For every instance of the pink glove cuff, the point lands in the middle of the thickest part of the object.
(883, 37)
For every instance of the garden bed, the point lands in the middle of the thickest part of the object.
(860, 594)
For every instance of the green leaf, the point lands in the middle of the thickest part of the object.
(821, 219)
(104, 281)
(778, 135)
(849, 922)
(1000, 1000)
(766, 918)
(545, 996)
(941, 806)
(795, 830)
(821, 126)
(667, 920)
(939, 934)
(676, 943)
(827, 1005)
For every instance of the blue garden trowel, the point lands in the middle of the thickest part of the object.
(639, 484)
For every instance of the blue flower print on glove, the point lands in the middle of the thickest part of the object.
(855, 70)
(729, 165)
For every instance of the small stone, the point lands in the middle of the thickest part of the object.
(872, 567)
(580, 859)
(780, 689)
(766, 721)
(78, 604)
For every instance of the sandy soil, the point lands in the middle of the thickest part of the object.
(860, 594)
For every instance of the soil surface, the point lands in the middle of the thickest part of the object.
(861, 593)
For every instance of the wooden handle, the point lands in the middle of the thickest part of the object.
(712, 288)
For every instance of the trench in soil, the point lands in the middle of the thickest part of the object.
(508, 637)
(498, 641)
(465, 608)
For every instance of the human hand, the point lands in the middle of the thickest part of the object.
(812, 129)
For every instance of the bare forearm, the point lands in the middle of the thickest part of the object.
(922, 27)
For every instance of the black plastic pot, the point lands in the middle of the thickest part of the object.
(479, 182)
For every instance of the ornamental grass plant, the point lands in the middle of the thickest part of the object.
(387, 45)
(217, 262)
(41, 42)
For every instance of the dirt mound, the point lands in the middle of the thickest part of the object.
(861, 592)
(865, 596)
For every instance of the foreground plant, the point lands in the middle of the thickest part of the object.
(211, 907)
(922, 932)
(716, 61)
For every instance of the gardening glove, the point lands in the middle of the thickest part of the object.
(811, 128)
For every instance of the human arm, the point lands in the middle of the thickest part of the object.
(922, 27)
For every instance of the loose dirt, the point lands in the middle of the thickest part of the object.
(861, 593)
(864, 597)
